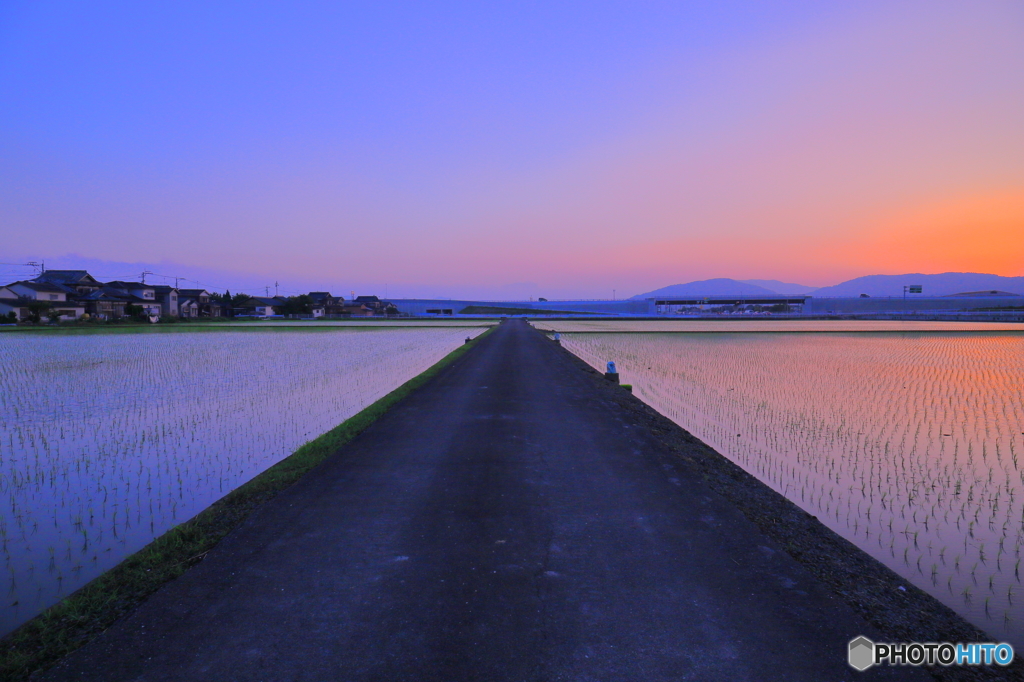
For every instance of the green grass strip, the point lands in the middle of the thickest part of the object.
(71, 623)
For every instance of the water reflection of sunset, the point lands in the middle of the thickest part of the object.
(908, 443)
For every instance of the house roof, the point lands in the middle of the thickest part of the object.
(118, 284)
(40, 286)
(67, 277)
(267, 301)
(105, 295)
(367, 299)
(193, 292)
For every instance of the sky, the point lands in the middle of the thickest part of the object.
(506, 150)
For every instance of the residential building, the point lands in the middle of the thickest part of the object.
(10, 302)
(106, 304)
(40, 291)
(265, 307)
(188, 308)
(132, 293)
(54, 295)
(326, 305)
(199, 302)
(167, 297)
(377, 306)
(146, 292)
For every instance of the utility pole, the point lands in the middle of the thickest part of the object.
(275, 289)
(266, 291)
(144, 273)
(613, 294)
(41, 266)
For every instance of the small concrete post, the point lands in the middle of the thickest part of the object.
(612, 374)
(558, 338)
(467, 340)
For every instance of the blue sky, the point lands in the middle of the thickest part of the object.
(563, 149)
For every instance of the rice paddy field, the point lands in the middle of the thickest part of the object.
(107, 440)
(907, 438)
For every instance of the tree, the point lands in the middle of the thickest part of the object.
(36, 309)
(136, 312)
(11, 317)
(297, 305)
(227, 310)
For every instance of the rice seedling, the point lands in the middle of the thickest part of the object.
(109, 440)
(902, 437)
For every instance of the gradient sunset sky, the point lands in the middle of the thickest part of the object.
(504, 150)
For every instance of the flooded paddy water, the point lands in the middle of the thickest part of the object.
(107, 440)
(906, 438)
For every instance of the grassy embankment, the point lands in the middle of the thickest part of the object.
(74, 621)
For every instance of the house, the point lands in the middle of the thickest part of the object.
(167, 297)
(200, 301)
(140, 295)
(146, 292)
(106, 304)
(40, 291)
(10, 302)
(79, 281)
(376, 306)
(326, 305)
(188, 307)
(54, 295)
(265, 307)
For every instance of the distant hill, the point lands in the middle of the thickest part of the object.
(785, 288)
(934, 285)
(721, 286)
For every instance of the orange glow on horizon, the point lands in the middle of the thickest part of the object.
(973, 233)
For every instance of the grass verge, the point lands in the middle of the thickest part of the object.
(71, 623)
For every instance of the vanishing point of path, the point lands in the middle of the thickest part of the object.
(502, 523)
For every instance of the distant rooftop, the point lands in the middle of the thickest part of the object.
(41, 286)
(66, 277)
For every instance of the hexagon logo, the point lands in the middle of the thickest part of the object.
(862, 654)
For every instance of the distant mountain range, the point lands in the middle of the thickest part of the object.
(781, 287)
(721, 286)
(944, 284)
